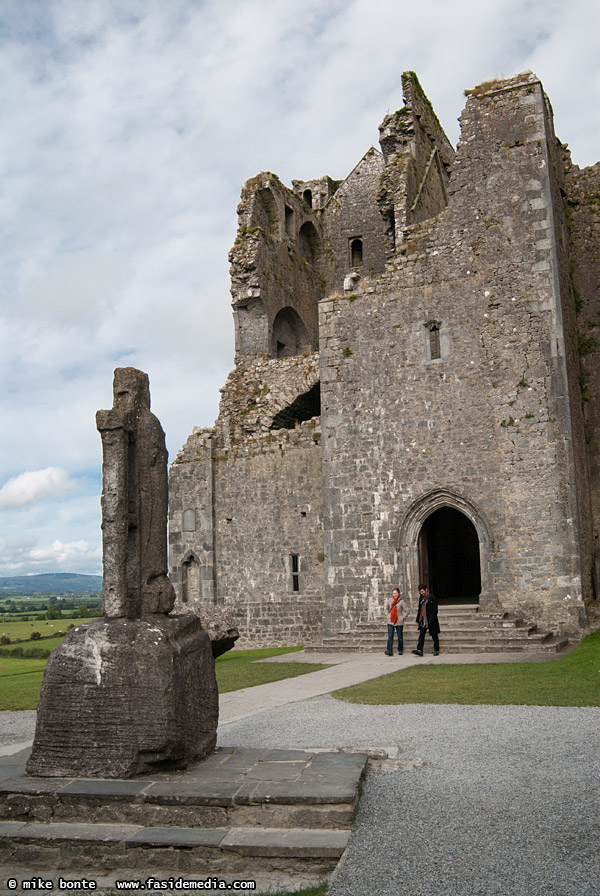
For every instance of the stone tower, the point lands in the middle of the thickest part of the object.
(416, 384)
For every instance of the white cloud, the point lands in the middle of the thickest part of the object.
(75, 554)
(129, 129)
(39, 485)
(19, 556)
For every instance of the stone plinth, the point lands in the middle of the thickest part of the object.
(121, 697)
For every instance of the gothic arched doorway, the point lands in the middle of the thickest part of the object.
(449, 557)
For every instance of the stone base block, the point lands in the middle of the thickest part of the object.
(121, 697)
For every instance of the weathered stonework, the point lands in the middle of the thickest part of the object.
(136, 690)
(453, 299)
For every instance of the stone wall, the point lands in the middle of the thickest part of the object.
(486, 427)
(245, 500)
(444, 364)
(582, 204)
(352, 214)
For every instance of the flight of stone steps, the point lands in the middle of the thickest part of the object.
(464, 629)
(272, 816)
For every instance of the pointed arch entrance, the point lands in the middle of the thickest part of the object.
(446, 541)
(449, 556)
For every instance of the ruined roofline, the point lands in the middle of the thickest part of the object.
(413, 94)
(500, 85)
(349, 175)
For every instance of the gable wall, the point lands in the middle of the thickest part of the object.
(490, 421)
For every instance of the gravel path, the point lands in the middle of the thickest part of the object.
(490, 800)
(499, 800)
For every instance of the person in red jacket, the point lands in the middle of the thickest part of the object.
(396, 612)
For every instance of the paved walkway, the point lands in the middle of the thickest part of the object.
(345, 669)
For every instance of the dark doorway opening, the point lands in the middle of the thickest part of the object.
(449, 560)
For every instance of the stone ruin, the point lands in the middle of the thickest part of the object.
(416, 386)
(136, 690)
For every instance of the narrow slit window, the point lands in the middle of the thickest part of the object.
(434, 342)
(435, 347)
(295, 569)
(289, 221)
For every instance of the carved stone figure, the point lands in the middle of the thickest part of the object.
(134, 502)
(136, 690)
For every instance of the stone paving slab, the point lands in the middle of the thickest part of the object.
(291, 841)
(227, 778)
(71, 831)
(181, 837)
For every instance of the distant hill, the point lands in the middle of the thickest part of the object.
(49, 583)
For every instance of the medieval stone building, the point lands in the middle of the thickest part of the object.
(416, 386)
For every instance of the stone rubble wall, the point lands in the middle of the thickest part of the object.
(248, 485)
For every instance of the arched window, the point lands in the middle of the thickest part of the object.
(307, 197)
(309, 242)
(290, 336)
(356, 252)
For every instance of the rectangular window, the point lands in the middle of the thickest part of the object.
(295, 570)
(434, 343)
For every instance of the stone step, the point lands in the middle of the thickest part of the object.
(548, 645)
(246, 813)
(231, 788)
(467, 630)
(170, 851)
(464, 628)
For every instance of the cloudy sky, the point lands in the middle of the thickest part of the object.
(129, 127)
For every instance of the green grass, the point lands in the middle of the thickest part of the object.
(21, 677)
(238, 668)
(20, 681)
(573, 680)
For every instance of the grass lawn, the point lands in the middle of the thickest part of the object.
(20, 681)
(21, 677)
(573, 680)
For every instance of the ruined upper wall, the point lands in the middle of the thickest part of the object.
(353, 227)
(293, 247)
(418, 157)
(275, 284)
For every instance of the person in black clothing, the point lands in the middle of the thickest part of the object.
(427, 620)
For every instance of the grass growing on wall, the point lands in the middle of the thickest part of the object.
(573, 680)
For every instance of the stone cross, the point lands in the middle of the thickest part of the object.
(134, 502)
(136, 691)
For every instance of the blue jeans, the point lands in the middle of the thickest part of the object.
(390, 641)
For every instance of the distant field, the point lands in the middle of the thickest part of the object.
(21, 631)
